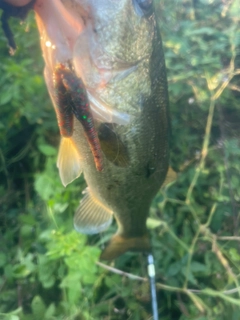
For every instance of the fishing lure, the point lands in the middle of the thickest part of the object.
(63, 103)
(81, 109)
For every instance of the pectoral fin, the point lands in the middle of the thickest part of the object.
(68, 162)
(92, 216)
(112, 146)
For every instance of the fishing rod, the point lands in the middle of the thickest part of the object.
(152, 280)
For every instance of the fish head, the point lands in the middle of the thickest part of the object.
(112, 56)
(108, 43)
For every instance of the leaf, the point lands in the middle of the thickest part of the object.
(20, 271)
(174, 268)
(50, 311)
(3, 259)
(5, 97)
(234, 254)
(197, 267)
(47, 150)
(153, 223)
(38, 308)
(8, 271)
(189, 275)
(13, 317)
(27, 219)
(46, 271)
(44, 186)
(26, 231)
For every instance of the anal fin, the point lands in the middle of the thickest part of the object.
(92, 216)
(68, 161)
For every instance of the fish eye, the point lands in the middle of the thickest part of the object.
(143, 7)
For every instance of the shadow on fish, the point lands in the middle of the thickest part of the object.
(105, 72)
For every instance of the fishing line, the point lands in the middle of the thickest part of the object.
(152, 280)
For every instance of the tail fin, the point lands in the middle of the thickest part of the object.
(119, 245)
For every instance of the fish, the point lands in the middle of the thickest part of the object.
(115, 48)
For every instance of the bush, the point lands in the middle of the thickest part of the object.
(48, 270)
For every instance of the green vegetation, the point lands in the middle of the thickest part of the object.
(48, 271)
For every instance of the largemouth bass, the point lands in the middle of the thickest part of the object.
(114, 48)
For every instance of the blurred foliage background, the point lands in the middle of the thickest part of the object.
(48, 271)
